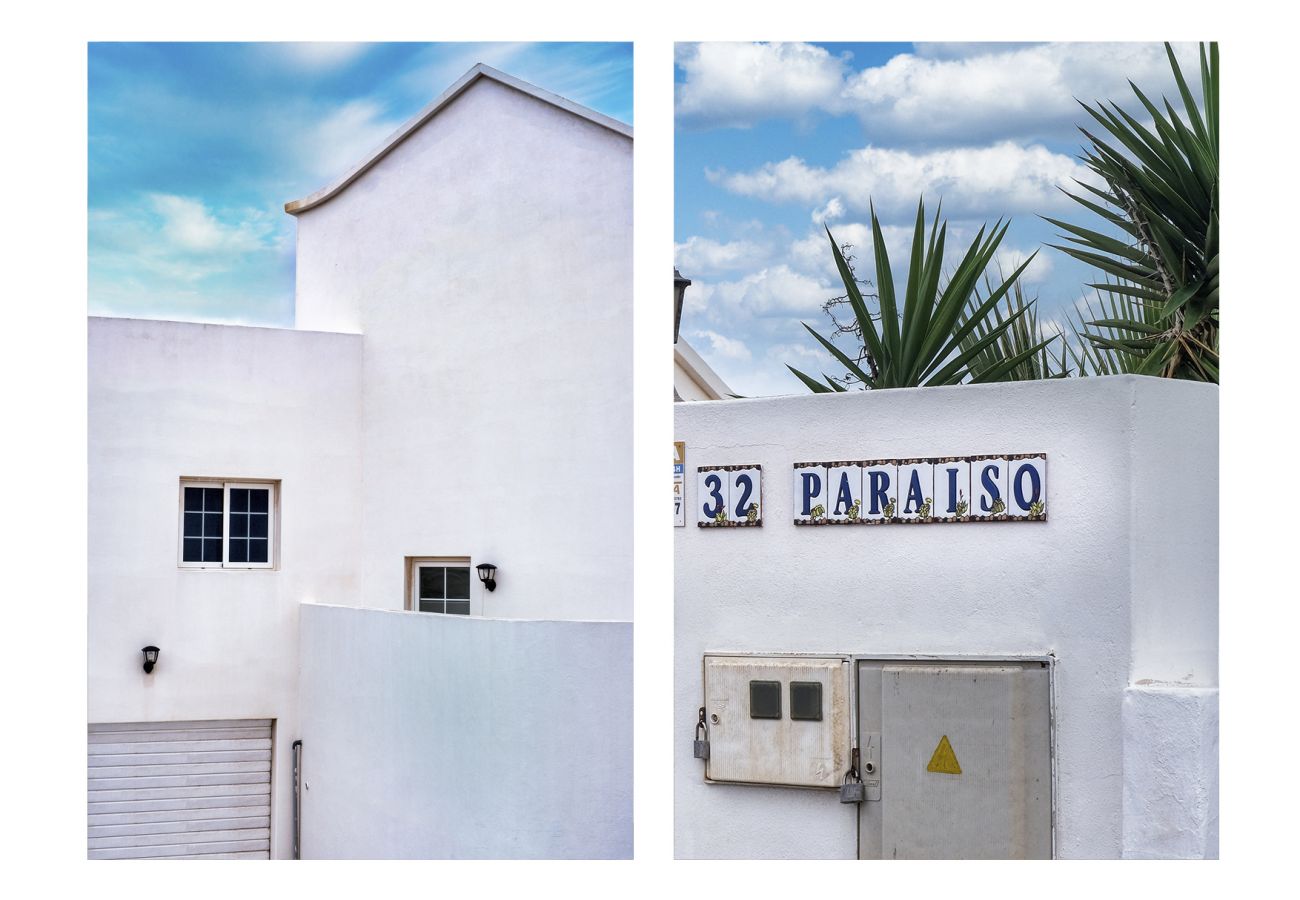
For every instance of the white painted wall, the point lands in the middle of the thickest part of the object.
(443, 737)
(488, 261)
(1120, 584)
(169, 400)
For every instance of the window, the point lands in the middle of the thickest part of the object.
(227, 524)
(439, 585)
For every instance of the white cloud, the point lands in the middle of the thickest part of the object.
(739, 84)
(317, 56)
(774, 291)
(171, 243)
(956, 92)
(833, 209)
(1004, 176)
(701, 256)
(722, 346)
(971, 93)
(189, 226)
(812, 254)
(587, 74)
(343, 138)
(1008, 259)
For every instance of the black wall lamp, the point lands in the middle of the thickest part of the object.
(150, 657)
(487, 573)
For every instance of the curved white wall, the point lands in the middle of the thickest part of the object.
(428, 737)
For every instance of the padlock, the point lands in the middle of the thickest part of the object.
(853, 790)
(701, 743)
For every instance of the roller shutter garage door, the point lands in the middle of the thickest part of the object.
(180, 790)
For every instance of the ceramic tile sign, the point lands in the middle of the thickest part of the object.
(1027, 486)
(843, 493)
(880, 491)
(810, 493)
(951, 489)
(679, 483)
(729, 496)
(915, 490)
(994, 488)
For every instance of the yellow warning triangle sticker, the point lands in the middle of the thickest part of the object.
(944, 760)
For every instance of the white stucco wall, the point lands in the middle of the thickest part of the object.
(169, 400)
(487, 259)
(445, 737)
(1120, 584)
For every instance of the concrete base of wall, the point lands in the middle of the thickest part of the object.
(1171, 772)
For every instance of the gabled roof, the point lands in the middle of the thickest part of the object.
(293, 207)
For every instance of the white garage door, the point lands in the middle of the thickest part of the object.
(180, 790)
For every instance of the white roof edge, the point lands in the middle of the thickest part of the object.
(480, 70)
(700, 371)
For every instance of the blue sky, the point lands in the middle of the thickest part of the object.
(773, 140)
(194, 148)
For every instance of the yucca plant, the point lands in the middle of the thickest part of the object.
(926, 342)
(1021, 313)
(1111, 303)
(1162, 191)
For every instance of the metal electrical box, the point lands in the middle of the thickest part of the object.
(781, 720)
(961, 753)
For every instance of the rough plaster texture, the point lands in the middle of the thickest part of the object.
(169, 400)
(1171, 764)
(465, 737)
(1123, 560)
(487, 259)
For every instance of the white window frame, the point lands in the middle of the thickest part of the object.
(413, 564)
(272, 530)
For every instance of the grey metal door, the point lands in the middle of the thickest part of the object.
(962, 754)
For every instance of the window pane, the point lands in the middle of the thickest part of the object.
(193, 499)
(212, 550)
(458, 583)
(433, 606)
(239, 499)
(238, 550)
(193, 525)
(212, 525)
(458, 607)
(259, 499)
(257, 551)
(212, 499)
(192, 550)
(431, 583)
(257, 526)
(238, 525)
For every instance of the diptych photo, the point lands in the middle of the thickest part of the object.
(363, 434)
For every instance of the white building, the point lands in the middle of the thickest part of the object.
(278, 510)
(1043, 683)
